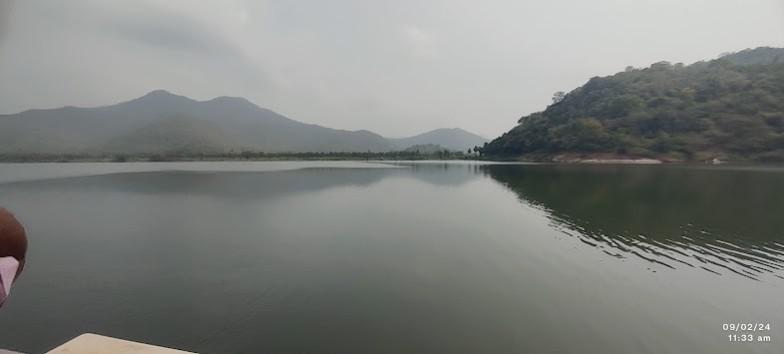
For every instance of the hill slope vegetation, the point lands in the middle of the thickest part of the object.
(728, 108)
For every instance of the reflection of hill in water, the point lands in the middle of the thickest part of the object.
(237, 186)
(443, 174)
(718, 220)
(240, 186)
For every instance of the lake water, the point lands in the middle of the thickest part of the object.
(351, 257)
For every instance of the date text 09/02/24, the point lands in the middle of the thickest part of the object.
(747, 327)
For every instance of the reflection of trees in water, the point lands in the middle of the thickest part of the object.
(250, 185)
(443, 174)
(237, 186)
(718, 220)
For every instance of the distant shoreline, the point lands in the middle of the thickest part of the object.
(564, 158)
(615, 159)
(282, 157)
(575, 161)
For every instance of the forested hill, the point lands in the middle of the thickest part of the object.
(731, 108)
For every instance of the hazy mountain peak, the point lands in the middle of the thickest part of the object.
(158, 94)
(160, 97)
(458, 131)
(229, 100)
(450, 138)
(454, 130)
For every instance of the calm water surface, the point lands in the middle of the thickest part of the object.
(301, 257)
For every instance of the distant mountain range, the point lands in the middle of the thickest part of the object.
(731, 108)
(161, 122)
(452, 139)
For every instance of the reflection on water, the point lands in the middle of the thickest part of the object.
(236, 186)
(419, 258)
(720, 220)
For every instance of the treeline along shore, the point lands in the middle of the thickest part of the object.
(242, 156)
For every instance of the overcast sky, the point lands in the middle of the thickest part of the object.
(394, 67)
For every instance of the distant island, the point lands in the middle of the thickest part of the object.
(728, 109)
(162, 126)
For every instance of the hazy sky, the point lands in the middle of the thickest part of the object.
(395, 67)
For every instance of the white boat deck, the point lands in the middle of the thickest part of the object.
(89, 343)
